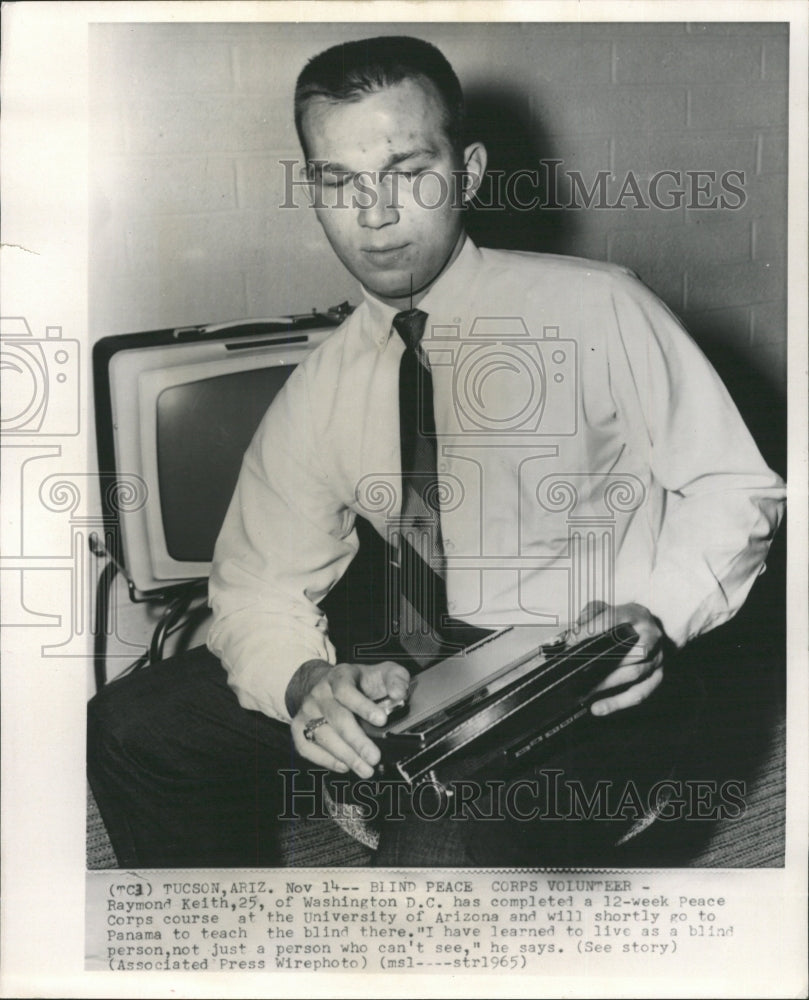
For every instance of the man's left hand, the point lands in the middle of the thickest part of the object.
(642, 667)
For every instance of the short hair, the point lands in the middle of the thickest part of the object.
(350, 70)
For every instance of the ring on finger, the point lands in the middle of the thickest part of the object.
(311, 727)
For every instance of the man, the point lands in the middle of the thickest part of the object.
(560, 393)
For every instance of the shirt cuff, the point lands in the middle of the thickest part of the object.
(260, 664)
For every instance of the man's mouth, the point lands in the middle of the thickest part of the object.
(385, 256)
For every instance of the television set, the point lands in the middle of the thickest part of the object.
(175, 412)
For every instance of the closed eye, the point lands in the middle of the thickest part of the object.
(408, 175)
(334, 180)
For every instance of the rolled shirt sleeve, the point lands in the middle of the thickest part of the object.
(285, 541)
(722, 504)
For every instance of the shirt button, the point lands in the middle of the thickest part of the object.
(452, 605)
(449, 545)
(442, 466)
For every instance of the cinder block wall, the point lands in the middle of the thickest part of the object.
(190, 123)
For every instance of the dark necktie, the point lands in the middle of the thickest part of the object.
(422, 594)
(425, 632)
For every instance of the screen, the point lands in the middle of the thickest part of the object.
(203, 430)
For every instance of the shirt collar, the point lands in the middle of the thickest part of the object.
(449, 291)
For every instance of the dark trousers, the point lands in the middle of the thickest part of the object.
(185, 777)
(182, 774)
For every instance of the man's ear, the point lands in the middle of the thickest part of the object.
(475, 158)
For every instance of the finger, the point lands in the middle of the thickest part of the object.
(397, 681)
(385, 680)
(640, 655)
(631, 671)
(346, 693)
(342, 737)
(627, 699)
(345, 741)
(649, 636)
(312, 751)
(344, 723)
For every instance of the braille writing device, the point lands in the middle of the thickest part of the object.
(498, 703)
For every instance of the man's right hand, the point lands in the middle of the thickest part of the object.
(341, 694)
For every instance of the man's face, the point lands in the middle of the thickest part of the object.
(384, 188)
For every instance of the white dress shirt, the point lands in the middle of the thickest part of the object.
(587, 451)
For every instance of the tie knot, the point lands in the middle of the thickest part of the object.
(410, 326)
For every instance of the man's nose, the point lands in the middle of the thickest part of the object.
(377, 204)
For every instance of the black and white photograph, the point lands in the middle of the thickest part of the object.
(399, 523)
